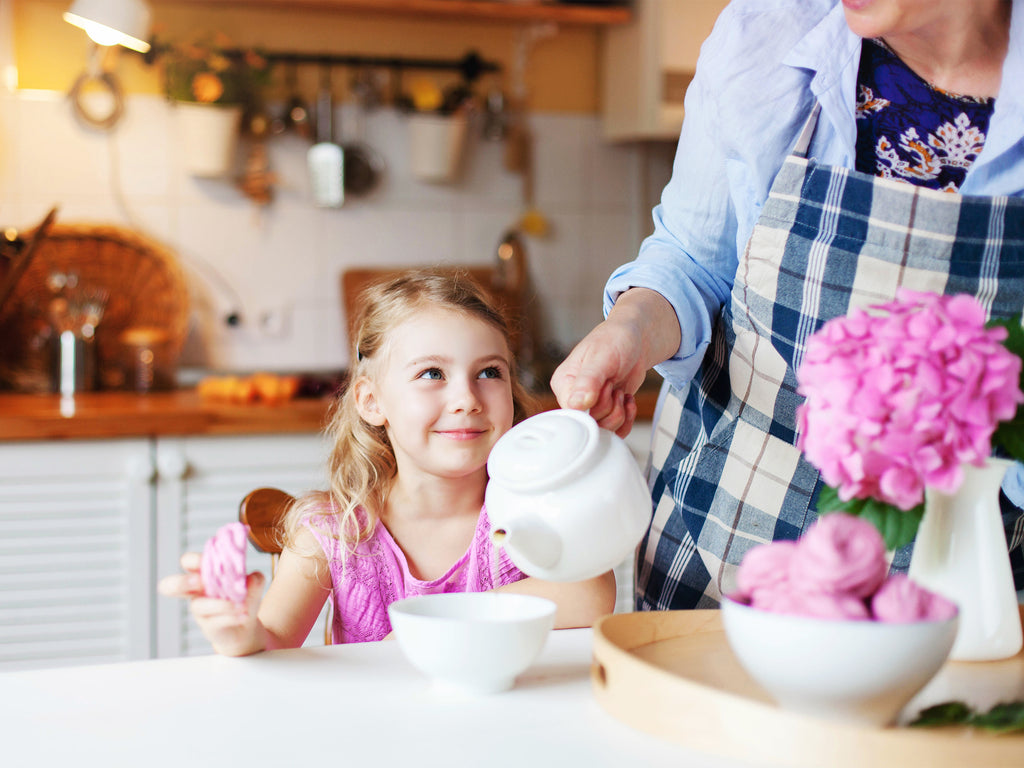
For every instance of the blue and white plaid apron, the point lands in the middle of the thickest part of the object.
(725, 473)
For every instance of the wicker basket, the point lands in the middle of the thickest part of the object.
(145, 285)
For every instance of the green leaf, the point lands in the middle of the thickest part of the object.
(829, 501)
(1009, 435)
(1002, 718)
(947, 713)
(898, 527)
(1007, 717)
(1015, 341)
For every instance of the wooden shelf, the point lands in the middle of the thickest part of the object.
(464, 10)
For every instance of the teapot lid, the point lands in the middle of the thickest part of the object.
(544, 449)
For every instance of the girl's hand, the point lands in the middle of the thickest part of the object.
(232, 629)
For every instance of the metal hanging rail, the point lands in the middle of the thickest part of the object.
(470, 66)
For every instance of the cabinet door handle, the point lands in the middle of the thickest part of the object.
(171, 465)
(141, 469)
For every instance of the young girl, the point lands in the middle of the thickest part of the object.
(432, 388)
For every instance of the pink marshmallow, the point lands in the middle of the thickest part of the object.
(901, 600)
(840, 554)
(764, 567)
(223, 565)
(818, 605)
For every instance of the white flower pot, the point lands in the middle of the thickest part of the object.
(436, 144)
(209, 136)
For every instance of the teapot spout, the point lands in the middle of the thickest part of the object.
(532, 545)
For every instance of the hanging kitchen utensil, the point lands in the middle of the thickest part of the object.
(325, 158)
(21, 262)
(257, 181)
(296, 116)
(495, 116)
(363, 164)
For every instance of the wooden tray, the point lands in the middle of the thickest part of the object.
(672, 674)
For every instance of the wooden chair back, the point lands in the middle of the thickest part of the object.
(263, 511)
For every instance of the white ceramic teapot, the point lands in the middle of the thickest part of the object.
(566, 498)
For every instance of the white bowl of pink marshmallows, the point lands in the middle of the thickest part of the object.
(824, 629)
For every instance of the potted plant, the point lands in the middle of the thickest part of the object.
(210, 83)
(913, 414)
(437, 130)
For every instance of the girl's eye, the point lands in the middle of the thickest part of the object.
(432, 373)
(491, 372)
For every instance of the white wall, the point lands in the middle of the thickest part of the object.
(286, 259)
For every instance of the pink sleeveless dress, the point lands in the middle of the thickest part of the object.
(366, 582)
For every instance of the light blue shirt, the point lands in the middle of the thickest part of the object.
(759, 74)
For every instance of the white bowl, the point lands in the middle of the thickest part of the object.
(476, 642)
(862, 672)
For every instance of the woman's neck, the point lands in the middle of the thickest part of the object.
(962, 52)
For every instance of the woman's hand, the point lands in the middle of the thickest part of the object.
(601, 375)
(232, 629)
(607, 367)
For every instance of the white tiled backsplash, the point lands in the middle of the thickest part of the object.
(280, 266)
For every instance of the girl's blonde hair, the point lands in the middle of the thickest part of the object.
(361, 466)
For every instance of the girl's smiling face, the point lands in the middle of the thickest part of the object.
(442, 390)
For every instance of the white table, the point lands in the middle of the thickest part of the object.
(350, 705)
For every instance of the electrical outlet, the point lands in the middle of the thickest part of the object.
(274, 322)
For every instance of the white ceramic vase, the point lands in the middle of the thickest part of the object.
(961, 552)
(209, 136)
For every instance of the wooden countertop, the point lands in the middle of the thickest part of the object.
(126, 414)
(182, 412)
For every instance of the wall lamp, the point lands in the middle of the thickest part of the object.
(112, 22)
(108, 23)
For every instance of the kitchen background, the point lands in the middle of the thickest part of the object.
(107, 500)
(279, 265)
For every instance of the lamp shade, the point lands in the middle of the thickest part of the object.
(112, 22)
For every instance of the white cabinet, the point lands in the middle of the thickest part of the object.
(647, 65)
(75, 522)
(88, 526)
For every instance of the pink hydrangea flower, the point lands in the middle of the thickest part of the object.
(900, 396)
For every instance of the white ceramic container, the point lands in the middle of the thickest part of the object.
(566, 498)
(472, 642)
(960, 552)
(862, 672)
(209, 136)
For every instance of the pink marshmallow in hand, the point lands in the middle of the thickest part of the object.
(840, 554)
(901, 600)
(223, 565)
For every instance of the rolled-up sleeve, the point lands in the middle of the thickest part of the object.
(690, 259)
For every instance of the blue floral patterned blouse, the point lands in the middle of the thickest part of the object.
(911, 131)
